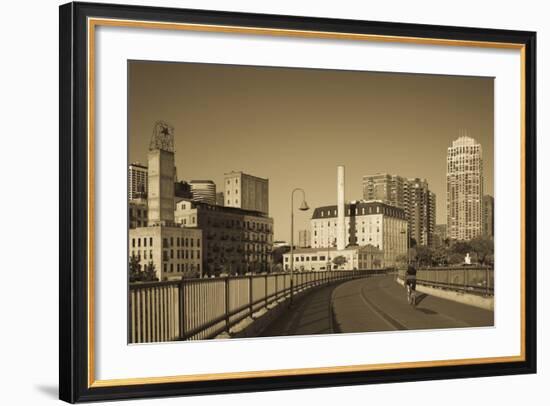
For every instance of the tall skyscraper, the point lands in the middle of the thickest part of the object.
(137, 181)
(488, 216)
(203, 191)
(464, 189)
(410, 194)
(246, 192)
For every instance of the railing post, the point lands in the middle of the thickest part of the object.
(276, 287)
(182, 309)
(487, 281)
(265, 290)
(250, 291)
(227, 304)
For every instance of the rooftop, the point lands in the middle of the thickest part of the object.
(370, 208)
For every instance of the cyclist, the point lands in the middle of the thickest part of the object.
(410, 283)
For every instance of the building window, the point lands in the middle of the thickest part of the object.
(164, 242)
(171, 254)
(133, 242)
(165, 267)
(171, 241)
(150, 241)
(171, 267)
(198, 242)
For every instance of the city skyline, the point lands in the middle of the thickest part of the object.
(302, 151)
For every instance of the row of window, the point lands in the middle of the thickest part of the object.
(143, 240)
(180, 242)
(180, 254)
(303, 258)
(181, 267)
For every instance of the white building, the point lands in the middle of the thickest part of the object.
(366, 223)
(311, 259)
(176, 252)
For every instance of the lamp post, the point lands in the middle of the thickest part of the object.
(303, 207)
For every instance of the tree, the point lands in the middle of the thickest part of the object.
(402, 260)
(455, 258)
(149, 272)
(423, 255)
(278, 254)
(439, 256)
(340, 260)
(135, 268)
(483, 247)
(461, 247)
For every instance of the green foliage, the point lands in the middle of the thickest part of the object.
(339, 260)
(137, 274)
(278, 254)
(481, 250)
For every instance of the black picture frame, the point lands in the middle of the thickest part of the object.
(74, 199)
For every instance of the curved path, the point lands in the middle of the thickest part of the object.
(310, 314)
(377, 303)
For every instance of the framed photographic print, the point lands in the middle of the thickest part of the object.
(256, 202)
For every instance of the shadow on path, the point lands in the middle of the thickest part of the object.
(310, 314)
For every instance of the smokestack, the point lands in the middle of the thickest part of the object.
(341, 226)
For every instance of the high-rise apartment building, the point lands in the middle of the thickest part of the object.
(203, 191)
(410, 194)
(464, 189)
(137, 181)
(488, 216)
(246, 192)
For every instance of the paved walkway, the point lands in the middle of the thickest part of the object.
(372, 304)
(310, 314)
(380, 304)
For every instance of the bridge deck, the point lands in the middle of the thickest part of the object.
(373, 304)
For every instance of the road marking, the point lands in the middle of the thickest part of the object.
(390, 321)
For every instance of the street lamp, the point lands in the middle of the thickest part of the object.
(303, 207)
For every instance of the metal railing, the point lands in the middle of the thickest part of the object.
(472, 279)
(195, 309)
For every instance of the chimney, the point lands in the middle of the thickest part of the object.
(341, 226)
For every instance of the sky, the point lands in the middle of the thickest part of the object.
(295, 126)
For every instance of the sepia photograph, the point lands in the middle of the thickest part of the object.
(274, 201)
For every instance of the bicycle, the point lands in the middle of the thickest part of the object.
(411, 295)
